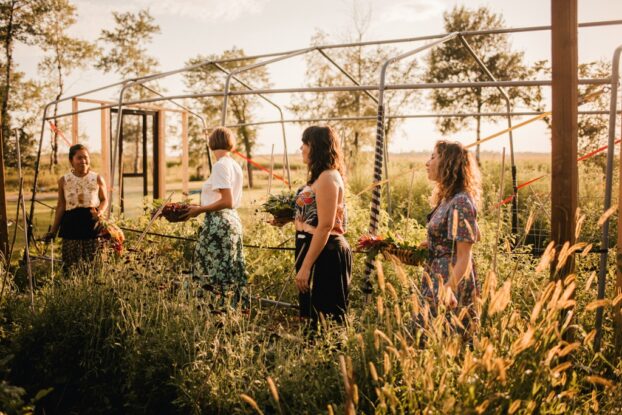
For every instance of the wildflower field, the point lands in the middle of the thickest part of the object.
(133, 334)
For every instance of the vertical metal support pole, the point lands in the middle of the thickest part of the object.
(375, 195)
(378, 157)
(22, 203)
(508, 107)
(184, 152)
(604, 240)
(162, 153)
(115, 150)
(35, 180)
(564, 126)
(105, 143)
(4, 229)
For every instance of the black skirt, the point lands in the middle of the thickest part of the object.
(330, 278)
(78, 223)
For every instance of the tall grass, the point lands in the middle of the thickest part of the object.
(134, 335)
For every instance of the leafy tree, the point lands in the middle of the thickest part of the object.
(125, 53)
(18, 23)
(451, 62)
(240, 108)
(363, 64)
(593, 129)
(63, 53)
(26, 112)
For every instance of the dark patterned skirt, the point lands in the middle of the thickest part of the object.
(76, 251)
(218, 255)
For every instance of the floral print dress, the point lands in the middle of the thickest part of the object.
(452, 221)
(218, 255)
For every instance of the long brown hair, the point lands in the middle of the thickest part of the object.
(457, 172)
(324, 151)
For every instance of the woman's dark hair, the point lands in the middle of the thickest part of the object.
(75, 148)
(324, 151)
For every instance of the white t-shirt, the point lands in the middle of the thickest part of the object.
(226, 174)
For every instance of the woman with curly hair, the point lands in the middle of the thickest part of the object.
(452, 225)
(323, 256)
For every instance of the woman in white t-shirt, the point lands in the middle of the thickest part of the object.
(218, 256)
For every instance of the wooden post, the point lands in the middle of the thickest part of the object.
(74, 121)
(617, 309)
(184, 152)
(161, 153)
(4, 229)
(564, 124)
(105, 142)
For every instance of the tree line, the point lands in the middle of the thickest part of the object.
(123, 49)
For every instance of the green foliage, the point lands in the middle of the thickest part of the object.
(134, 335)
(127, 53)
(452, 62)
(241, 108)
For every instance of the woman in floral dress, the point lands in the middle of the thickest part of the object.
(218, 255)
(452, 226)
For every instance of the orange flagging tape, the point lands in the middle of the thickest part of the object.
(57, 130)
(584, 157)
(259, 166)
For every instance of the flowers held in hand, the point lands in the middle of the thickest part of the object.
(110, 232)
(392, 244)
(281, 206)
(171, 211)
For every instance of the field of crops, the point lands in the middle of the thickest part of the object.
(133, 334)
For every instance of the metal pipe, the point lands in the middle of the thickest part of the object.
(279, 109)
(340, 45)
(604, 243)
(189, 111)
(508, 105)
(378, 157)
(35, 180)
(408, 116)
(533, 83)
(31, 284)
(115, 150)
(347, 74)
(226, 92)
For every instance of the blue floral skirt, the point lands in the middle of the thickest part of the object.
(218, 255)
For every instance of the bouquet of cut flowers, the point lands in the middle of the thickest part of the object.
(281, 206)
(393, 244)
(110, 232)
(171, 211)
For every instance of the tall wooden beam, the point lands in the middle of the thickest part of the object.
(106, 167)
(74, 122)
(161, 153)
(564, 122)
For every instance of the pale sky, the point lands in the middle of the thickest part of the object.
(192, 27)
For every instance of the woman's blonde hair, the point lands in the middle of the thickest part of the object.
(457, 172)
(221, 138)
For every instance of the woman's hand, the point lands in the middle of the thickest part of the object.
(193, 212)
(95, 213)
(280, 222)
(424, 244)
(302, 279)
(449, 298)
